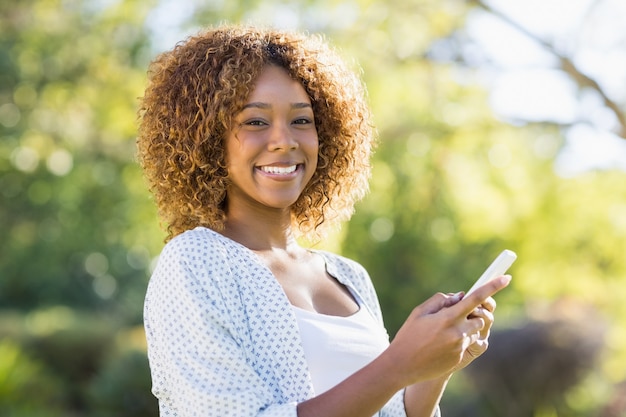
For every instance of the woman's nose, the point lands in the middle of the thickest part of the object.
(282, 139)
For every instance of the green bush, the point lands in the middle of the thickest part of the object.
(27, 387)
(58, 361)
(122, 387)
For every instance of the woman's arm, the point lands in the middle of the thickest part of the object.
(422, 398)
(362, 394)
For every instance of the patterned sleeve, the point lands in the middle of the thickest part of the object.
(198, 365)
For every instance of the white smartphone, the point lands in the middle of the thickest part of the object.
(498, 267)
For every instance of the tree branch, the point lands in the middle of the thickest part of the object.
(566, 64)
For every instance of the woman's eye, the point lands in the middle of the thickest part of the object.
(255, 122)
(302, 121)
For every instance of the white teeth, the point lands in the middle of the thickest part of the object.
(278, 170)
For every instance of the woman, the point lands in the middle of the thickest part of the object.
(250, 139)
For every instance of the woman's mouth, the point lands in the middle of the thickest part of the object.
(278, 170)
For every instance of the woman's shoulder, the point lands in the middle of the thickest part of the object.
(198, 240)
(344, 266)
(338, 259)
(202, 257)
(197, 245)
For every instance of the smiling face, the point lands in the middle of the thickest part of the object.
(271, 151)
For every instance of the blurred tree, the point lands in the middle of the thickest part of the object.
(121, 386)
(20, 377)
(570, 58)
(74, 209)
(79, 229)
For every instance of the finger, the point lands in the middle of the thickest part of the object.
(488, 319)
(439, 301)
(488, 305)
(478, 324)
(480, 296)
(473, 329)
(482, 313)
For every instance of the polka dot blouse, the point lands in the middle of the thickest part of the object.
(223, 340)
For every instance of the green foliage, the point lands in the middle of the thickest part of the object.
(121, 387)
(79, 228)
(26, 388)
(81, 362)
(72, 207)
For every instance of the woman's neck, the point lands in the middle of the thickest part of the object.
(260, 232)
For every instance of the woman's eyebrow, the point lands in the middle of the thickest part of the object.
(257, 105)
(261, 105)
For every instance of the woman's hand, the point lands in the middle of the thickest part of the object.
(444, 334)
(483, 312)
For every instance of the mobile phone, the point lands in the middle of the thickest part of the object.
(498, 267)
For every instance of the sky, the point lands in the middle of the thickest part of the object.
(524, 83)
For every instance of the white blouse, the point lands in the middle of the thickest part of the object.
(336, 347)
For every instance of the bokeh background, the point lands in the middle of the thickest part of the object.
(501, 125)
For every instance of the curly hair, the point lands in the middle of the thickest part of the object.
(195, 90)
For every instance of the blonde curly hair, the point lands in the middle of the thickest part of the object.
(195, 90)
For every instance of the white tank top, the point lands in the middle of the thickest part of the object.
(336, 347)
